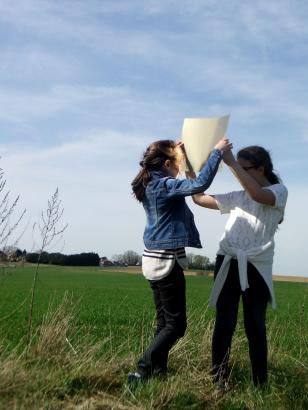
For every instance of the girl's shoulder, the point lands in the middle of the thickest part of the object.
(157, 184)
(281, 194)
(278, 188)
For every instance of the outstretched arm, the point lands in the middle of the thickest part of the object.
(187, 187)
(207, 201)
(254, 190)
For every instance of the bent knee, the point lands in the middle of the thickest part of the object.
(178, 329)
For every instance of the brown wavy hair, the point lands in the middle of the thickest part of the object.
(154, 159)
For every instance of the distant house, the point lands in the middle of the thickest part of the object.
(105, 261)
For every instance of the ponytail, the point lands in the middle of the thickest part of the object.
(272, 177)
(139, 183)
(154, 159)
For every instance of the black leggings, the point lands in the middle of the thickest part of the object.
(255, 300)
(170, 304)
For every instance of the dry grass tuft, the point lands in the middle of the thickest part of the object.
(12, 373)
(53, 334)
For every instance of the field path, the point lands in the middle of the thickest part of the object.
(137, 270)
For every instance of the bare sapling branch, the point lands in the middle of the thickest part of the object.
(49, 232)
(7, 209)
(9, 223)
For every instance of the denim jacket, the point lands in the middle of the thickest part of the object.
(170, 222)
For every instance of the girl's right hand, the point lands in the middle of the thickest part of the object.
(224, 145)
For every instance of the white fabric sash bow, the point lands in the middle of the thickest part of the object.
(251, 255)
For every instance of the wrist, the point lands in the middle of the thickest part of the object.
(232, 164)
(218, 151)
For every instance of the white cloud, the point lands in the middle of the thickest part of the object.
(207, 56)
(27, 61)
(27, 105)
(64, 112)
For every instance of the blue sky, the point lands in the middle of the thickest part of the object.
(86, 86)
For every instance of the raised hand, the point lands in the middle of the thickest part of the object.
(224, 145)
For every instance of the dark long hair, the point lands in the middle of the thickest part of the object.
(153, 159)
(260, 157)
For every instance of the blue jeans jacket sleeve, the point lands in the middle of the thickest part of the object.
(186, 187)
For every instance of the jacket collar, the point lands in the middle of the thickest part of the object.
(158, 174)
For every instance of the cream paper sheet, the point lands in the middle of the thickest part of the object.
(200, 135)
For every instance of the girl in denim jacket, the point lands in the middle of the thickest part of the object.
(169, 228)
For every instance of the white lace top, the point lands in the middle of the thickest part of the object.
(249, 235)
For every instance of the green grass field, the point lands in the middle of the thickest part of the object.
(84, 346)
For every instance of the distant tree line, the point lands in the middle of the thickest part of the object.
(131, 258)
(199, 262)
(79, 259)
(128, 258)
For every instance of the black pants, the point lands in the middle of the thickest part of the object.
(255, 300)
(170, 303)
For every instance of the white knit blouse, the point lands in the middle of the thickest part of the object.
(249, 236)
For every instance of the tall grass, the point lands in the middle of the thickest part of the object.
(66, 369)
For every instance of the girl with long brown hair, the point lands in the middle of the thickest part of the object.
(169, 228)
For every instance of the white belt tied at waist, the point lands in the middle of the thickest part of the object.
(251, 255)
